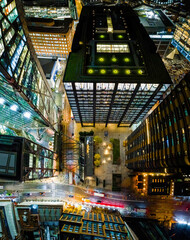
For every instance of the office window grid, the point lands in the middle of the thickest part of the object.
(162, 140)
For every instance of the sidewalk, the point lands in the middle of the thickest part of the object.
(107, 169)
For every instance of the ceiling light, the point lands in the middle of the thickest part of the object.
(27, 114)
(2, 100)
(14, 107)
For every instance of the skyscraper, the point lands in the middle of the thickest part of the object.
(161, 142)
(113, 74)
(181, 38)
(26, 100)
(27, 105)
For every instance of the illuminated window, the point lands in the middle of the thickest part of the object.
(113, 48)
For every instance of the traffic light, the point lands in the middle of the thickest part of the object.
(104, 183)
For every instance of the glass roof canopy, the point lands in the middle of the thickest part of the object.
(113, 74)
(15, 111)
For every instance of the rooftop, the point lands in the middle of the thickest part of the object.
(116, 49)
(49, 25)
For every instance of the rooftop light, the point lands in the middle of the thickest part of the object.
(101, 59)
(102, 71)
(120, 36)
(140, 71)
(27, 114)
(14, 107)
(115, 71)
(2, 100)
(127, 71)
(102, 36)
(90, 71)
(114, 59)
(126, 59)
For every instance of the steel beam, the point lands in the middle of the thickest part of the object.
(129, 103)
(111, 104)
(77, 102)
(147, 103)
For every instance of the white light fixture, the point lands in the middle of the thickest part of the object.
(14, 107)
(2, 100)
(27, 114)
(106, 152)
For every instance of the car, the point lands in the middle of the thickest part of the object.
(99, 201)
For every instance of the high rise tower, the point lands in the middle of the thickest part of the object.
(113, 74)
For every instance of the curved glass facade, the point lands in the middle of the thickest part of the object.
(22, 81)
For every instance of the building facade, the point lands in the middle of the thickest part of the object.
(80, 224)
(158, 25)
(59, 9)
(162, 2)
(112, 72)
(8, 222)
(22, 159)
(26, 100)
(47, 12)
(181, 38)
(161, 142)
(52, 38)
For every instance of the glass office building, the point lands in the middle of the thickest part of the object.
(163, 2)
(22, 159)
(159, 27)
(161, 142)
(113, 73)
(181, 38)
(26, 100)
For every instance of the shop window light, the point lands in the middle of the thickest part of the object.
(14, 107)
